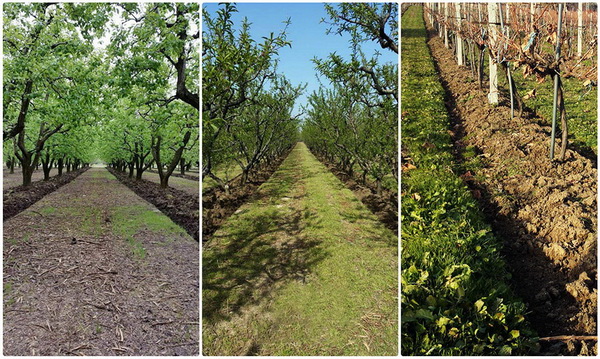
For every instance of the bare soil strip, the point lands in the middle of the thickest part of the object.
(384, 205)
(188, 185)
(17, 199)
(92, 269)
(182, 207)
(192, 176)
(217, 205)
(545, 211)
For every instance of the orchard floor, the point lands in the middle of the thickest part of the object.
(183, 184)
(303, 268)
(92, 269)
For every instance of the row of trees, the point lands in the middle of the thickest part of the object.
(354, 123)
(247, 105)
(69, 99)
(528, 37)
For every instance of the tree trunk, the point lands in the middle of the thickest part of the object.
(378, 182)
(46, 166)
(28, 167)
(60, 165)
(182, 166)
(563, 120)
(164, 175)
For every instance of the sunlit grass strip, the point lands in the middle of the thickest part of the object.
(455, 297)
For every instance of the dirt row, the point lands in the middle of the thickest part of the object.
(218, 205)
(545, 210)
(383, 205)
(181, 207)
(17, 199)
(192, 177)
(92, 269)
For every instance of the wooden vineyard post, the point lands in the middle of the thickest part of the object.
(446, 24)
(507, 66)
(532, 13)
(493, 24)
(508, 20)
(579, 28)
(459, 42)
(556, 90)
(439, 12)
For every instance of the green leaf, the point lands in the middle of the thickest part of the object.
(505, 350)
(479, 304)
(442, 321)
(424, 314)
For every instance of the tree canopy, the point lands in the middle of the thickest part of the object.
(68, 98)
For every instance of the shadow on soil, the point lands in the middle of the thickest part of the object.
(257, 254)
(244, 263)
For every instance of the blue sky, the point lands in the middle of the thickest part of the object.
(307, 34)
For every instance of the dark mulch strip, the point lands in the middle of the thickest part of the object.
(217, 205)
(183, 208)
(383, 205)
(188, 177)
(18, 199)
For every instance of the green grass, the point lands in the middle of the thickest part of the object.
(581, 108)
(7, 288)
(226, 172)
(128, 221)
(305, 269)
(455, 297)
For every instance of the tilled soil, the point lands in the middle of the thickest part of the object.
(194, 176)
(546, 211)
(19, 198)
(189, 185)
(218, 205)
(74, 286)
(383, 205)
(182, 207)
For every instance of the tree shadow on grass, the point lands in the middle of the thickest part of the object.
(249, 261)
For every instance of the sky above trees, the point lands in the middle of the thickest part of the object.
(307, 35)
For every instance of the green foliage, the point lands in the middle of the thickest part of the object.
(355, 122)
(51, 75)
(246, 105)
(455, 297)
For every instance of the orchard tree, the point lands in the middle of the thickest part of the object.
(155, 34)
(364, 22)
(247, 106)
(355, 122)
(174, 130)
(49, 73)
(156, 70)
